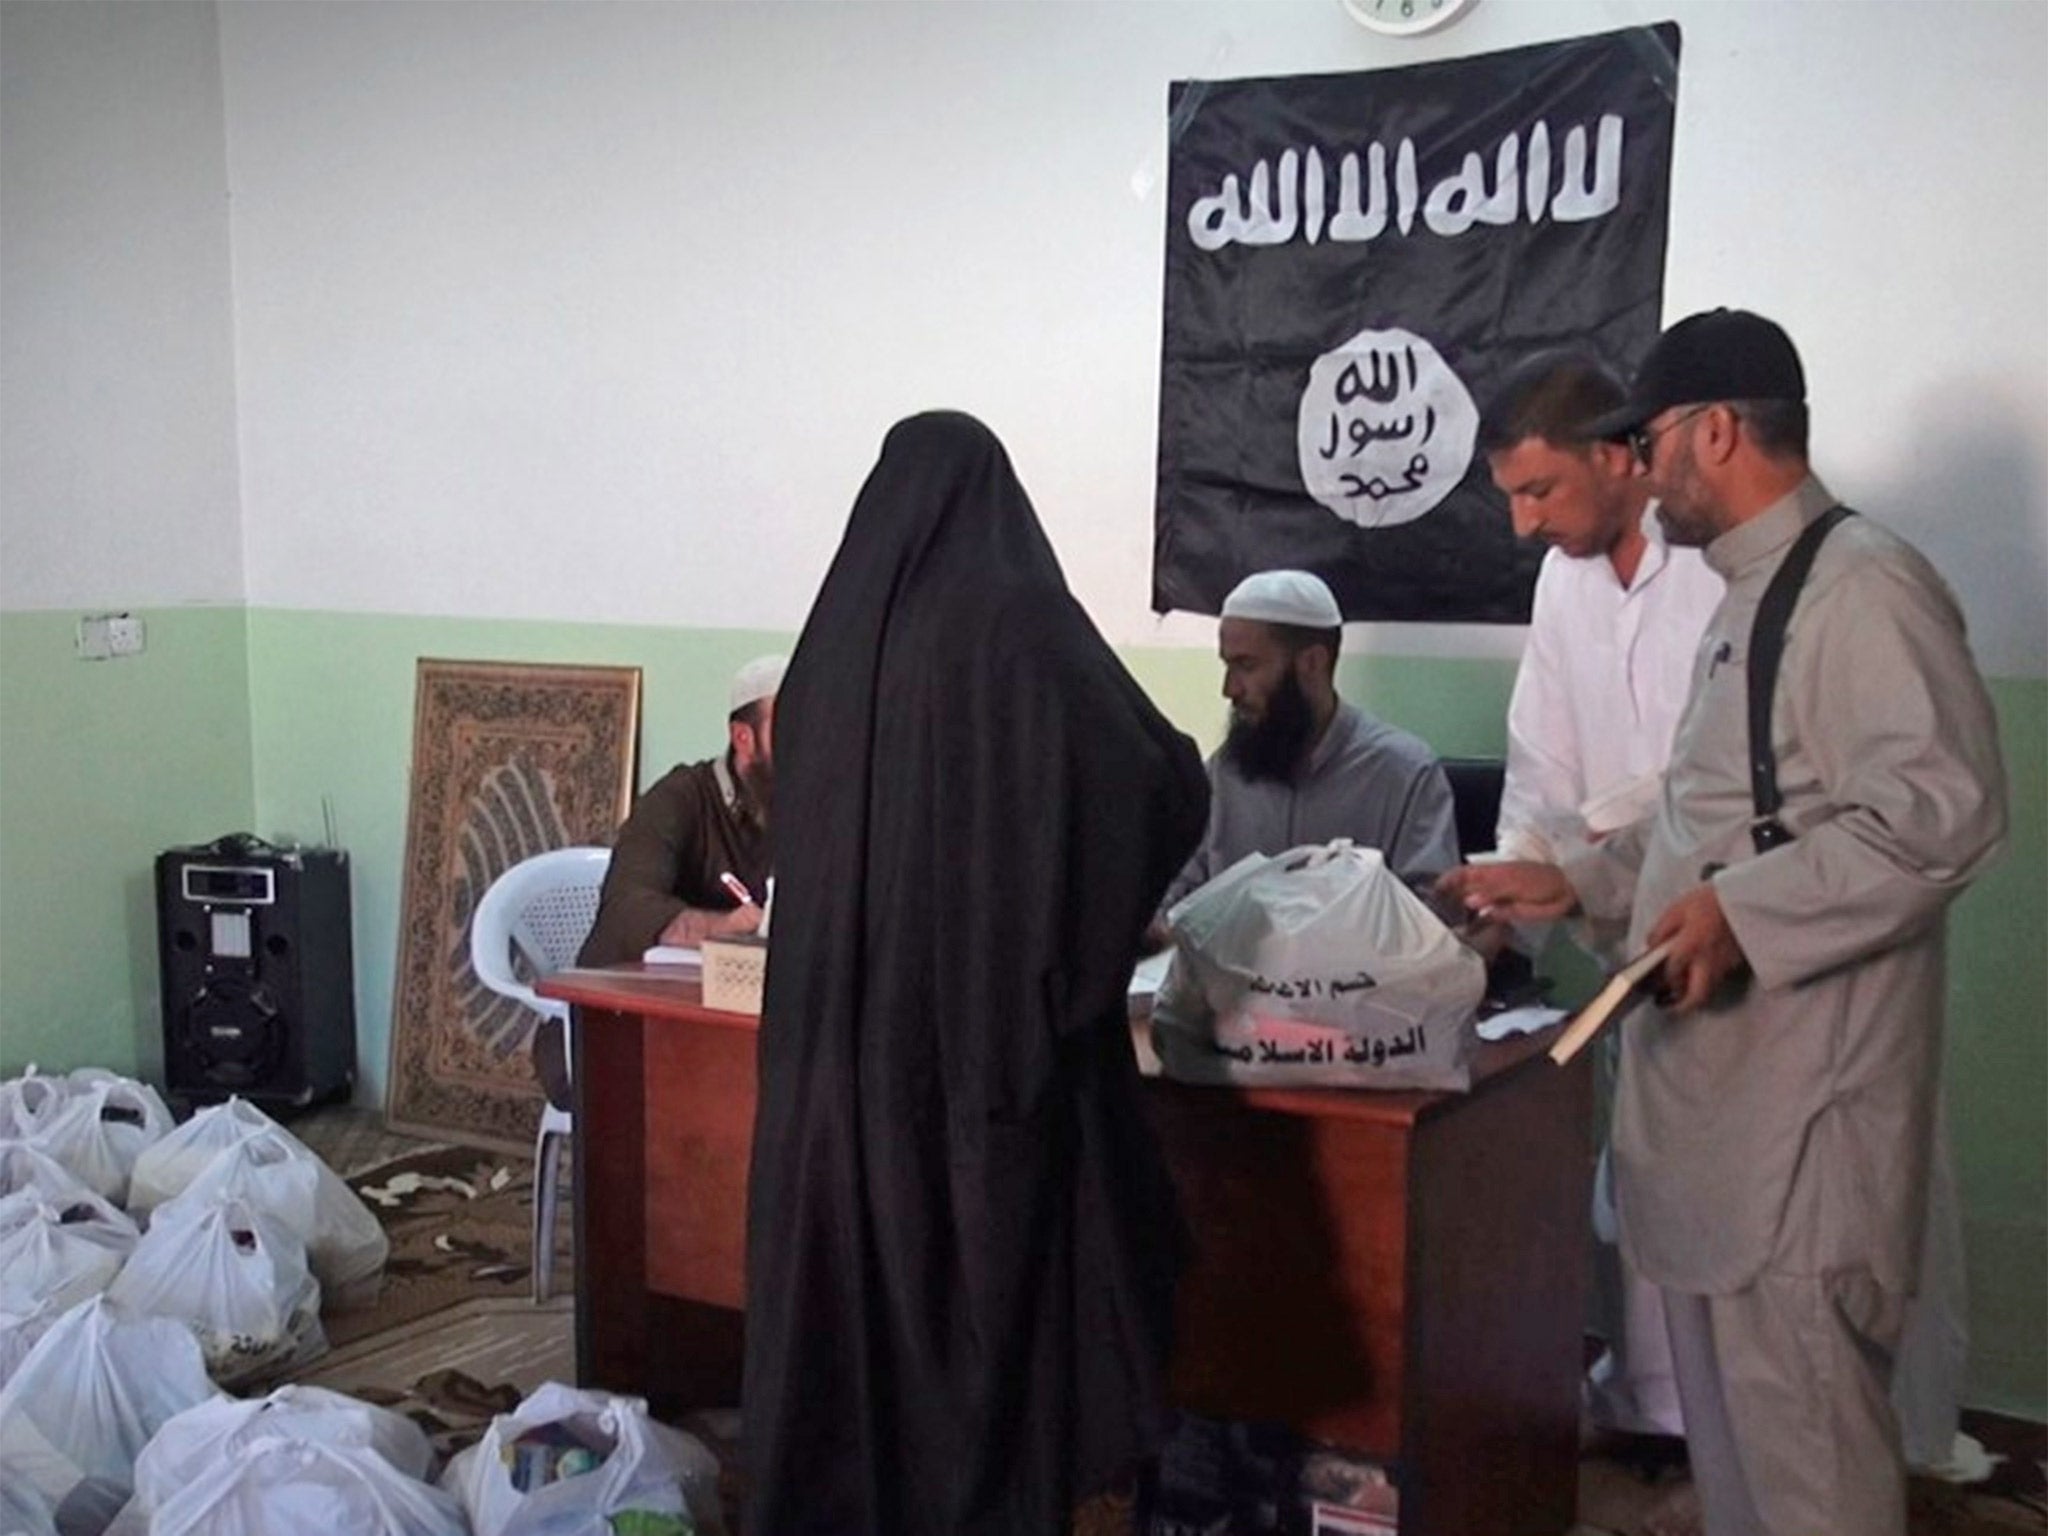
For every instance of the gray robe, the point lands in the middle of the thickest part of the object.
(1788, 1125)
(1366, 780)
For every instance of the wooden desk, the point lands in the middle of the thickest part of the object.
(1398, 1273)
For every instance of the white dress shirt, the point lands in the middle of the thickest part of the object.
(1603, 680)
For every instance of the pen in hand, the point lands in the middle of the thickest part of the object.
(737, 887)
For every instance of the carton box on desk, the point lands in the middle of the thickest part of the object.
(735, 970)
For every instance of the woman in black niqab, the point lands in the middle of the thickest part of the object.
(961, 1238)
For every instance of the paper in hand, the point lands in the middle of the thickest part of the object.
(1607, 1002)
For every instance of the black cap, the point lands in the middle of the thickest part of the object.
(1719, 354)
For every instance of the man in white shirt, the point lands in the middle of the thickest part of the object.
(1617, 623)
(1618, 615)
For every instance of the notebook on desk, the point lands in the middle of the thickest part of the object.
(674, 954)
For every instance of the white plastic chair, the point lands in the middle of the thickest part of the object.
(543, 908)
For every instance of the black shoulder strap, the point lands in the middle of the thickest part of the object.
(1766, 650)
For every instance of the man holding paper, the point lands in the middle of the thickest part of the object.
(1774, 1125)
(1604, 674)
(1617, 616)
(700, 831)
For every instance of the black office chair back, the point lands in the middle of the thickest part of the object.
(1475, 800)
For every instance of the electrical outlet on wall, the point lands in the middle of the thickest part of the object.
(105, 635)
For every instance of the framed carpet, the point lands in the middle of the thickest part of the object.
(508, 760)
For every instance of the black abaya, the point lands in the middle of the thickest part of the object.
(961, 1239)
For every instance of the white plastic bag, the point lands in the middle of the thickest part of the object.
(236, 1277)
(651, 1468)
(56, 1256)
(24, 1511)
(278, 1486)
(91, 1393)
(281, 1176)
(27, 1102)
(102, 1127)
(1316, 968)
(200, 1437)
(175, 1160)
(19, 1332)
(23, 1166)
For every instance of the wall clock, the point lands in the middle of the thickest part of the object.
(1406, 18)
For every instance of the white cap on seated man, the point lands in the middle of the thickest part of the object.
(1301, 765)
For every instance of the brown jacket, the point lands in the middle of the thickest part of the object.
(695, 823)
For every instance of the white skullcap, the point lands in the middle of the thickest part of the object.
(758, 679)
(1284, 597)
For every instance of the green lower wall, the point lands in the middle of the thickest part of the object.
(102, 764)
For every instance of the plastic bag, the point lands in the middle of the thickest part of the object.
(102, 1127)
(237, 1277)
(27, 1102)
(281, 1176)
(19, 1332)
(278, 1486)
(198, 1438)
(56, 1256)
(23, 1166)
(91, 1393)
(1316, 968)
(24, 1511)
(175, 1160)
(658, 1473)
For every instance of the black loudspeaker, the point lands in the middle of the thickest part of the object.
(258, 972)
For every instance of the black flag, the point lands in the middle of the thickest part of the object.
(1352, 263)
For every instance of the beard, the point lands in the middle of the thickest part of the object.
(759, 779)
(1271, 747)
(1683, 508)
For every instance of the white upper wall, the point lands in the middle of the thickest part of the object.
(117, 390)
(576, 310)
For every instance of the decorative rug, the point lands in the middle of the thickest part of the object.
(455, 1370)
(460, 1222)
(508, 761)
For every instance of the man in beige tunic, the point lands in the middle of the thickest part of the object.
(1775, 1121)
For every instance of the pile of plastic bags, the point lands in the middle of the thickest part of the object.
(227, 1223)
(145, 1266)
(113, 1430)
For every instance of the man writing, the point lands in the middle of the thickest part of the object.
(698, 824)
(1301, 765)
(1774, 1124)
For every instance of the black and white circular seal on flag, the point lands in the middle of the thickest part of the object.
(1386, 429)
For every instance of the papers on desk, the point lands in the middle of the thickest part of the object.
(1149, 975)
(674, 954)
(1525, 1020)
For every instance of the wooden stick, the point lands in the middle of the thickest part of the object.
(1607, 1003)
